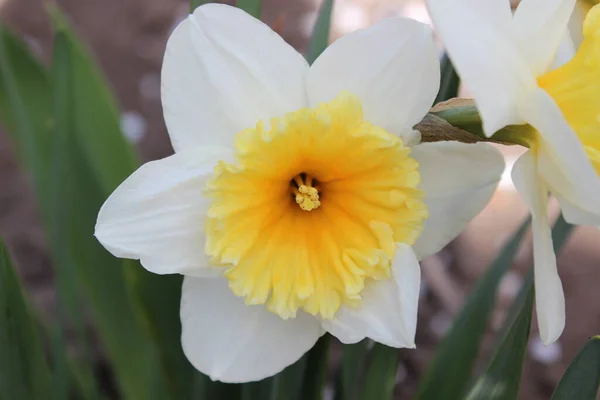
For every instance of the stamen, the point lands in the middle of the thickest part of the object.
(306, 195)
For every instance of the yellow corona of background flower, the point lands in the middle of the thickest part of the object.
(520, 71)
(299, 199)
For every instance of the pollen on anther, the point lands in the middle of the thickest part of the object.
(305, 195)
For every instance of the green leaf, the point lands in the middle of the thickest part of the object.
(67, 299)
(449, 81)
(24, 373)
(320, 36)
(582, 378)
(460, 347)
(287, 385)
(380, 379)
(353, 362)
(502, 377)
(261, 390)
(316, 368)
(99, 276)
(197, 3)
(25, 99)
(95, 114)
(153, 300)
(252, 7)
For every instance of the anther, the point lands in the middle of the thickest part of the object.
(305, 194)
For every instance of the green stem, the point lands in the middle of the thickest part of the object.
(467, 118)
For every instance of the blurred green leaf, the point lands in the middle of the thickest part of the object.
(95, 115)
(287, 385)
(261, 390)
(353, 364)
(449, 81)
(24, 373)
(225, 391)
(320, 35)
(582, 378)
(25, 110)
(154, 300)
(316, 369)
(252, 7)
(197, 3)
(25, 99)
(101, 276)
(27, 113)
(67, 296)
(381, 371)
(502, 377)
(460, 346)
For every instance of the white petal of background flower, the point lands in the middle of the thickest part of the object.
(157, 215)
(232, 342)
(538, 28)
(566, 51)
(486, 58)
(562, 161)
(223, 71)
(388, 310)
(575, 215)
(549, 295)
(392, 67)
(459, 180)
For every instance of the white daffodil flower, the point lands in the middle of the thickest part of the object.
(508, 62)
(293, 204)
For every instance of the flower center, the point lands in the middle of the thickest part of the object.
(575, 87)
(312, 209)
(305, 194)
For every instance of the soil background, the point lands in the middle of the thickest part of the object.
(128, 39)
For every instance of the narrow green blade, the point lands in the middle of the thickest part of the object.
(29, 117)
(316, 369)
(68, 302)
(197, 3)
(252, 7)
(287, 384)
(24, 373)
(320, 36)
(502, 377)
(380, 379)
(461, 345)
(154, 299)
(25, 99)
(582, 378)
(261, 390)
(95, 114)
(353, 364)
(449, 81)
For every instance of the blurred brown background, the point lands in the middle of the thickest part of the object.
(128, 38)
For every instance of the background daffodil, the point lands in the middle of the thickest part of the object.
(521, 70)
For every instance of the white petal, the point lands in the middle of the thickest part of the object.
(232, 342)
(392, 67)
(157, 215)
(549, 296)
(388, 310)
(223, 71)
(566, 51)
(458, 180)
(483, 52)
(539, 26)
(562, 161)
(577, 216)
